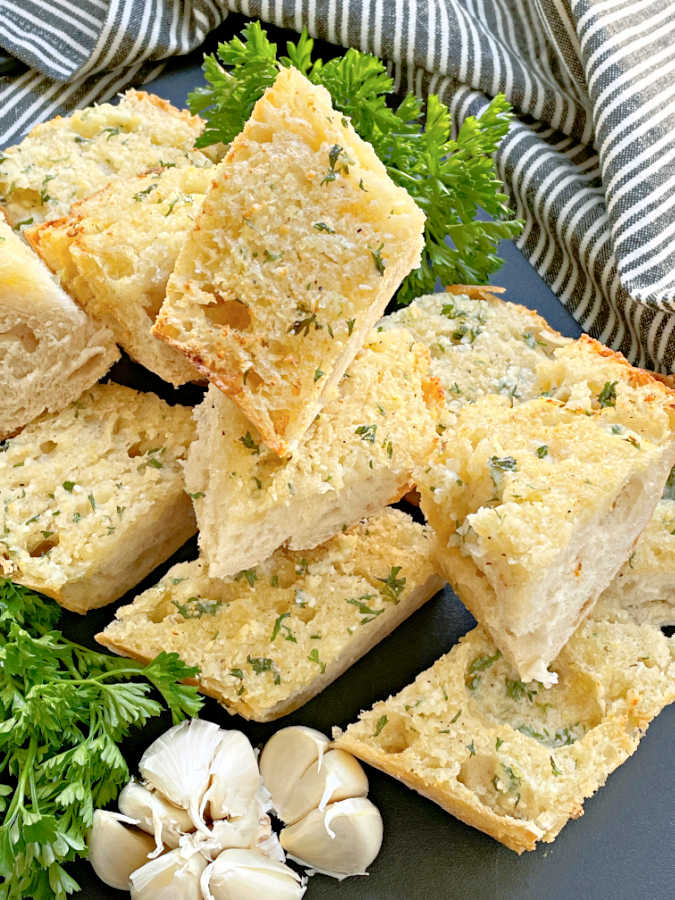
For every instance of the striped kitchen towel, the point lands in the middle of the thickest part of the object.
(589, 162)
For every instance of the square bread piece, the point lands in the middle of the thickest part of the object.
(479, 344)
(115, 251)
(273, 637)
(50, 350)
(508, 757)
(299, 245)
(93, 498)
(66, 159)
(536, 507)
(356, 458)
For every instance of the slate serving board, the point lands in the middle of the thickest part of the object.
(618, 849)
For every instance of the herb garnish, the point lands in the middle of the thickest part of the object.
(392, 585)
(64, 710)
(607, 396)
(379, 725)
(450, 179)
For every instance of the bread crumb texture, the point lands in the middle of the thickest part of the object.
(275, 635)
(66, 159)
(514, 759)
(645, 584)
(115, 251)
(479, 344)
(537, 506)
(300, 243)
(93, 497)
(50, 349)
(356, 458)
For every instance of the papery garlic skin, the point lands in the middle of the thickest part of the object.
(285, 757)
(173, 876)
(249, 875)
(341, 840)
(178, 765)
(115, 850)
(235, 777)
(340, 776)
(155, 814)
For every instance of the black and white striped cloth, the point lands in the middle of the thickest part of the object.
(589, 162)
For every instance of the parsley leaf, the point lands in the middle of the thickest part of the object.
(449, 179)
(64, 709)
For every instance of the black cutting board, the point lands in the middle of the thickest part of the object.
(618, 849)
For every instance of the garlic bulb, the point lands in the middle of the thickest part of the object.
(248, 875)
(285, 757)
(340, 840)
(339, 777)
(241, 832)
(168, 823)
(178, 764)
(235, 777)
(115, 850)
(173, 876)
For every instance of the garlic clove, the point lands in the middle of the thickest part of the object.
(341, 840)
(249, 875)
(116, 850)
(285, 757)
(339, 778)
(241, 832)
(154, 813)
(235, 777)
(173, 876)
(178, 764)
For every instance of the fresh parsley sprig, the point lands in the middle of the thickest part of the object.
(450, 179)
(63, 711)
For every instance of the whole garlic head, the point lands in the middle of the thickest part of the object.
(178, 765)
(249, 875)
(154, 813)
(341, 840)
(285, 757)
(116, 850)
(235, 777)
(173, 876)
(338, 777)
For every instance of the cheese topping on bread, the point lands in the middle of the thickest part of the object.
(356, 458)
(115, 251)
(66, 159)
(300, 243)
(509, 757)
(272, 637)
(479, 344)
(50, 350)
(92, 498)
(536, 507)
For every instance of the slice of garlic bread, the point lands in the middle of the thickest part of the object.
(300, 243)
(536, 507)
(115, 251)
(66, 159)
(272, 637)
(50, 350)
(509, 757)
(356, 458)
(93, 498)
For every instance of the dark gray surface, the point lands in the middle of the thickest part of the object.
(618, 849)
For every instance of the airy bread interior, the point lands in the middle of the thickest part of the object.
(272, 637)
(50, 350)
